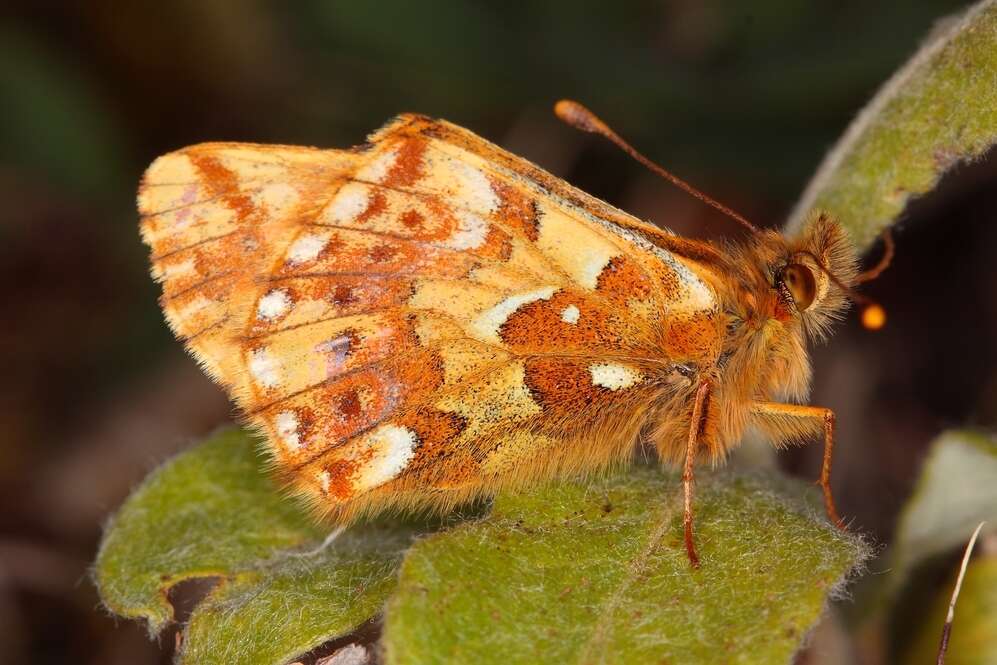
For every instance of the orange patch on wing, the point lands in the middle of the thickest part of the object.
(377, 204)
(498, 245)
(356, 252)
(357, 401)
(622, 280)
(407, 168)
(694, 336)
(541, 326)
(212, 290)
(412, 220)
(563, 387)
(223, 182)
(343, 295)
(205, 261)
(437, 430)
(517, 210)
(340, 476)
(348, 404)
(331, 296)
(383, 253)
(367, 397)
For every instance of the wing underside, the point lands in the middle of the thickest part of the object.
(417, 321)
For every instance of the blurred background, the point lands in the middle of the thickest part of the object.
(742, 99)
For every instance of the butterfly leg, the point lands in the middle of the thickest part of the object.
(824, 416)
(695, 429)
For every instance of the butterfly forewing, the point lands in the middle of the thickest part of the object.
(417, 321)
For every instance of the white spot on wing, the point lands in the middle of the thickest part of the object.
(306, 248)
(165, 270)
(351, 200)
(273, 305)
(287, 429)
(393, 448)
(377, 170)
(570, 314)
(277, 196)
(613, 375)
(593, 262)
(264, 368)
(470, 233)
(194, 307)
(324, 480)
(582, 252)
(700, 296)
(488, 323)
(474, 189)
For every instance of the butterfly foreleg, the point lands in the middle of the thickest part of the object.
(824, 416)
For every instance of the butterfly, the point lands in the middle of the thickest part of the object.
(427, 318)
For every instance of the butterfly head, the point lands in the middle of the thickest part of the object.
(792, 289)
(811, 275)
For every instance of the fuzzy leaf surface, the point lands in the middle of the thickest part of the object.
(212, 512)
(596, 572)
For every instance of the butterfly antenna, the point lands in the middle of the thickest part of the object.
(884, 261)
(574, 114)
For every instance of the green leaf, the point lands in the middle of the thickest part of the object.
(212, 512)
(956, 491)
(938, 110)
(595, 572)
(296, 602)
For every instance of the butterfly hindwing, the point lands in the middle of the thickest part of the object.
(214, 215)
(417, 321)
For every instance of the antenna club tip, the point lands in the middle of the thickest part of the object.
(873, 317)
(579, 117)
(563, 107)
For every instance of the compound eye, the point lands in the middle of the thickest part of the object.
(800, 281)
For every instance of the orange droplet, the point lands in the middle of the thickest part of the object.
(873, 317)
